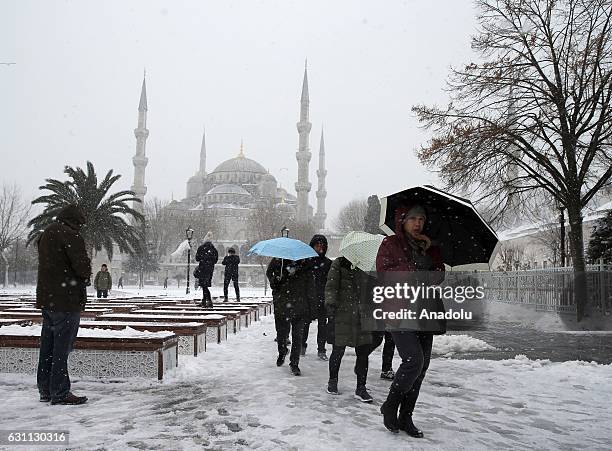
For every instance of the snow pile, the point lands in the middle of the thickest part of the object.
(449, 344)
(128, 332)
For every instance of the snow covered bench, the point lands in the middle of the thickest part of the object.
(235, 320)
(216, 325)
(192, 336)
(116, 308)
(8, 322)
(243, 316)
(35, 315)
(97, 352)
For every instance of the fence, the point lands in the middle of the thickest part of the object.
(550, 289)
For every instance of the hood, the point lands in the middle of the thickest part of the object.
(72, 216)
(319, 239)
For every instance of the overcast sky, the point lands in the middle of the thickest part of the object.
(234, 67)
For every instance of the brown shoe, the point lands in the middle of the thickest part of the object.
(71, 400)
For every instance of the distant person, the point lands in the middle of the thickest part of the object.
(64, 271)
(165, 283)
(319, 267)
(231, 262)
(103, 282)
(206, 256)
(120, 283)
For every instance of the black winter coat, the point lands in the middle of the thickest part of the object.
(64, 268)
(207, 256)
(292, 287)
(231, 263)
(348, 300)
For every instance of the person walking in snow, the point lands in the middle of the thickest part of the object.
(120, 282)
(291, 284)
(349, 305)
(231, 262)
(409, 251)
(206, 256)
(64, 272)
(103, 282)
(319, 267)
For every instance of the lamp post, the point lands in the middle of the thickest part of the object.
(189, 235)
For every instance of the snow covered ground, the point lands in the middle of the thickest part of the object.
(234, 397)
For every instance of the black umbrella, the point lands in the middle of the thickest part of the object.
(452, 222)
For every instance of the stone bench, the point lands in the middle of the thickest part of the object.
(12, 305)
(246, 314)
(35, 315)
(116, 308)
(97, 352)
(235, 320)
(216, 325)
(192, 336)
(8, 322)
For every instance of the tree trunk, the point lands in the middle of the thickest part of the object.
(6, 269)
(577, 249)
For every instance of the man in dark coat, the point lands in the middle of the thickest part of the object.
(291, 284)
(319, 267)
(207, 256)
(231, 262)
(64, 271)
(103, 282)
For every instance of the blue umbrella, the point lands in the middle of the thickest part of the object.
(286, 248)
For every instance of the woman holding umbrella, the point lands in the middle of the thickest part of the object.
(409, 251)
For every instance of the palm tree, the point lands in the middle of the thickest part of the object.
(105, 213)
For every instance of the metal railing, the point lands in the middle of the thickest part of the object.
(550, 289)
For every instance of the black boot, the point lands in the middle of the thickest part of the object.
(406, 425)
(295, 370)
(281, 358)
(389, 410)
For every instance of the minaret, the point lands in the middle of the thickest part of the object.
(321, 193)
(203, 154)
(302, 187)
(140, 160)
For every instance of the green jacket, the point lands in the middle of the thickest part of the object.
(349, 305)
(103, 281)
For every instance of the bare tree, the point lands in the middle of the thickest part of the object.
(510, 257)
(534, 115)
(351, 216)
(14, 214)
(265, 222)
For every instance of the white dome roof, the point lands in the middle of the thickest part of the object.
(228, 189)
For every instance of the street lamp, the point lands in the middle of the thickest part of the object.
(189, 235)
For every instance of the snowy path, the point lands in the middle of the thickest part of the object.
(234, 397)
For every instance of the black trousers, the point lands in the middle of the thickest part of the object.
(226, 282)
(206, 297)
(388, 348)
(102, 294)
(59, 330)
(283, 324)
(361, 364)
(321, 329)
(415, 350)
